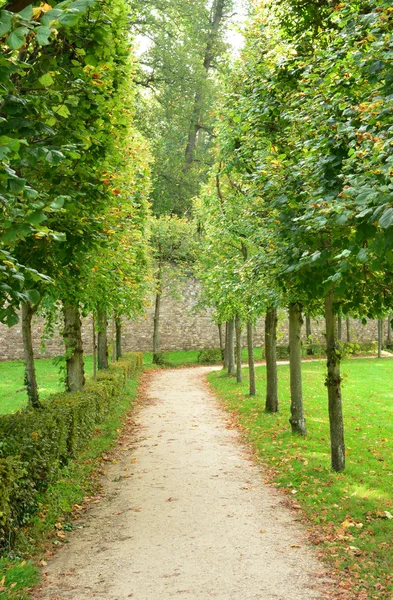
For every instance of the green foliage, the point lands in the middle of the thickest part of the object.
(178, 84)
(37, 443)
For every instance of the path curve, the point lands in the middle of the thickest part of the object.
(185, 514)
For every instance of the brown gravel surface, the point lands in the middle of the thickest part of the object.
(185, 514)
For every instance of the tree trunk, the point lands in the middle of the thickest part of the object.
(308, 327)
(238, 328)
(222, 347)
(389, 337)
(30, 373)
(102, 353)
(309, 336)
(226, 355)
(94, 347)
(75, 379)
(156, 327)
(119, 350)
(251, 362)
(231, 347)
(348, 330)
(271, 360)
(297, 419)
(333, 383)
(339, 328)
(380, 337)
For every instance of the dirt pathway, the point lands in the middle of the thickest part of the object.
(185, 514)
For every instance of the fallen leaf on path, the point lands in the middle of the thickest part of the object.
(263, 531)
(295, 546)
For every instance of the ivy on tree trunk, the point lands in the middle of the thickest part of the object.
(297, 420)
(72, 334)
(30, 374)
(333, 383)
(271, 361)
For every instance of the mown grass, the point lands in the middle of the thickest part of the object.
(352, 511)
(13, 395)
(60, 505)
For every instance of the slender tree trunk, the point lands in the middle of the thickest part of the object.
(309, 336)
(348, 330)
(271, 361)
(94, 347)
(308, 327)
(156, 327)
(389, 332)
(339, 328)
(297, 420)
(333, 383)
(251, 362)
(380, 337)
(222, 347)
(113, 339)
(231, 347)
(75, 379)
(238, 328)
(102, 340)
(226, 355)
(119, 350)
(30, 373)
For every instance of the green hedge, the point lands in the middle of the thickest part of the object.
(319, 351)
(35, 444)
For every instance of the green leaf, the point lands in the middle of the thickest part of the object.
(36, 217)
(26, 13)
(16, 39)
(6, 19)
(58, 203)
(46, 80)
(69, 19)
(363, 255)
(33, 296)
(43, 34)
(62, 110)
(387, 218)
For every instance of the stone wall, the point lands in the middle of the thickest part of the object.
(182, 327)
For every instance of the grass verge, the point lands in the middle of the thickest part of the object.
(13, 395)
(61, 505)
(351, 512)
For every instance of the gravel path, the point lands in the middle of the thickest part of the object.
(185, 514)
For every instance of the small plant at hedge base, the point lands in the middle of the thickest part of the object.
(159, 358)
(210, 356)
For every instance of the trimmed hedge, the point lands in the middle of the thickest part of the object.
(319, 350)
(35, 444)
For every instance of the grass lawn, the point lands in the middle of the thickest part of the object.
(352, 511)
(12, 390)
